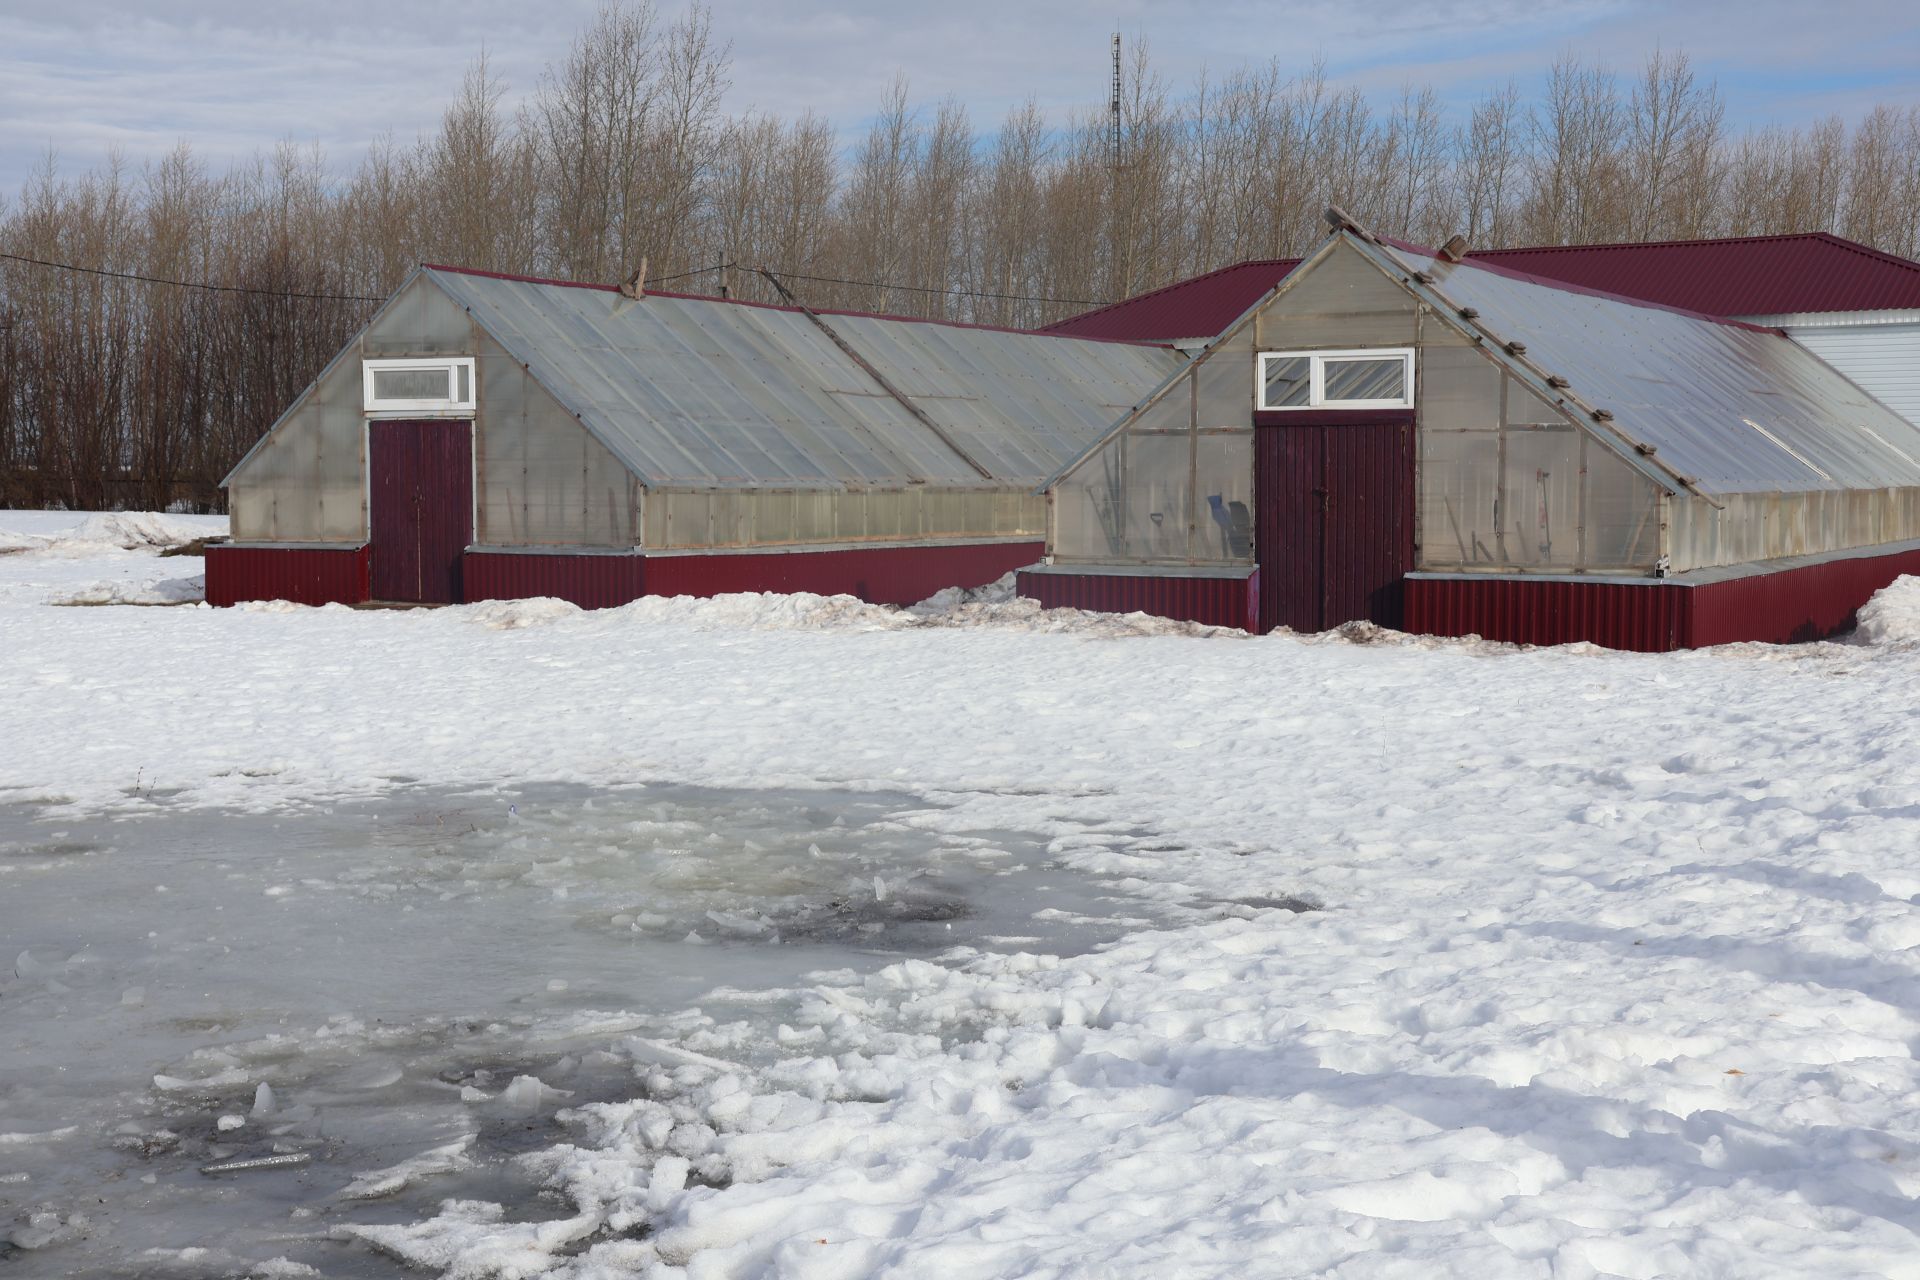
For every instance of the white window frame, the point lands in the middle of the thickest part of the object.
(1317, 379)
(432, 407)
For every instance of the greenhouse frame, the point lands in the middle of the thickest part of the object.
(1450, 446)
(490, 436)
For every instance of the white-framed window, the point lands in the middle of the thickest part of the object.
(438, 386)
(1372, 378)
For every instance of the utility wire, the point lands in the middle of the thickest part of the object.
(359, 297)
(910, 288)
(190, 284)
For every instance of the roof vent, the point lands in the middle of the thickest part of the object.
(1455, 248)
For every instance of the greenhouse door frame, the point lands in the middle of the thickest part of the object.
(420, 498)
(1334, 502)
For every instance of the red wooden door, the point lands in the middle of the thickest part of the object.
(420, 507)
(1333, 531)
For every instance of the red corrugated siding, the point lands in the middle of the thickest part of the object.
(1217, 602)
(882, 575)
(1644, 618)
(1794, 605)
(1789, 606)
(316, 575)
(590, 581)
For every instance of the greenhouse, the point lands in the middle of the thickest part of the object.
(1403, 437)
(489, 436)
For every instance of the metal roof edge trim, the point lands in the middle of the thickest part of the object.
(307, 392)
(1206, 353)
(1834, 319)
(1609, 433)
(1101, 569)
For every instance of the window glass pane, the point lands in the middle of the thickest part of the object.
(1287, 381)
(461, 394)
(410, 384)
(1368, 379)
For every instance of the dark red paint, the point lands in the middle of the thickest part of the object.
(420, 507)
(303, 575)
(882, 575)
(1217, 602)
(590, 581)
(1333, 522)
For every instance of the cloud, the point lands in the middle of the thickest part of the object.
(235, 77)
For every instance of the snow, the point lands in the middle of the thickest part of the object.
(1614, 974)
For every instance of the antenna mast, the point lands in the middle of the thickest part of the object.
(1113, 110)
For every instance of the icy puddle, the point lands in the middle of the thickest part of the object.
(386, 1001)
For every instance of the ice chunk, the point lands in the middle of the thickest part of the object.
(263, 1100)
(229, 1122)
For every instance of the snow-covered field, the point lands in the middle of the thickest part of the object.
(1616, 971)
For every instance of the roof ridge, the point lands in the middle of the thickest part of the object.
(1710, 242)
(779, 306)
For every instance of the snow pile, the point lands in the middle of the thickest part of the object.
(762, 611)
(130, 531)
(167, 591)
(516, 615)
(1892, 617)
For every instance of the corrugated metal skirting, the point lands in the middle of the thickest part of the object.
(1216, 602)
(590, 581)
(1789, 606)
(1644, 618)
(880, 575)
(303, 575)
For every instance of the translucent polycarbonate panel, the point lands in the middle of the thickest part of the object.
(1541, 506)
(421, 320)
(1363, 379)
(1459, 390)
(411, 384)
(1088, 507)
(1735, 408)
(1224, 386)
(1754, 527)
(306, 479)
(694, 391)
(1343, 300)
(1460, 499)
(715, 518)
(1286, 381)
(1159, 496)
(1223, 490)
(543, 479)
(1621, 513)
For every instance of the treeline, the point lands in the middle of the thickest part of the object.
(123, 392)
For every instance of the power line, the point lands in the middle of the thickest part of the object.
(359, 297)
(908, 288)
(190, 284)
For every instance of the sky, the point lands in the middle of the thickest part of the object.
(235, 77)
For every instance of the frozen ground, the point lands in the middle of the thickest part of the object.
(1616, 976)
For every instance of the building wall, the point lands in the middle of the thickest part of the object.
(1882, 356)
(543, 479)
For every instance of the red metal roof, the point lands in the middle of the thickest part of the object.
(1748, 276)
(1197, 308)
